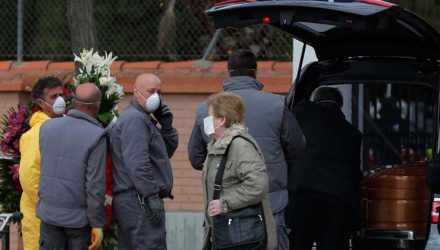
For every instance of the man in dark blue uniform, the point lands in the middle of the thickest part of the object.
(142, 172)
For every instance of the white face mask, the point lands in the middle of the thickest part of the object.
(152, 102)
(208, 125)
(59, 106)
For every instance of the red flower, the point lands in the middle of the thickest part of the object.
(14, 171)
(108, 187)
(15, 177)
(67, 92)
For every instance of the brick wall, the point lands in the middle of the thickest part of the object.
(184, 86)
(187, 185)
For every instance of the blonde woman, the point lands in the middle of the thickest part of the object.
(245, 180)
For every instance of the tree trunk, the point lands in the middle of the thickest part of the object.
(81, 25)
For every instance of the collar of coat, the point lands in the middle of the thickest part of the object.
(242, 82)
(219, 146)
(81, 115)
(38, 118)
(138, 107)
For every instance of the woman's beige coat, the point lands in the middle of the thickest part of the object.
(245, 180)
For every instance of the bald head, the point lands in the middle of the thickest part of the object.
(88, 92)
(87, 98)
(146, 85)
(146, 80)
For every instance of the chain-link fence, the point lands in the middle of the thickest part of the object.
(148, 30)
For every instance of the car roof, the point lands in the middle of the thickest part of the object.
(364, 28)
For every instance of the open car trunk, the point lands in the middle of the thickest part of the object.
(339, 29)
(386, 61)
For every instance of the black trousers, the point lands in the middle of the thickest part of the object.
(321, 218)
(60, 238)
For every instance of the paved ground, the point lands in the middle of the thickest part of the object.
(434, 239)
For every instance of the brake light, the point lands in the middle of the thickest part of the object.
(377, 2)
(232, 2)
(435, 208)
(265, 19)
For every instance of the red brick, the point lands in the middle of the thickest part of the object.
(67, 66)
(177, 190)
(192, 207)
(182, 198)
(187, 182)
(172, 206)
(194, 198)
(117, 66)
(193, 173)
(12, 85)
(177, 65)
(33, 65)
(5, 65)
(265, 66)
(178, 173)
(283, 66)
(194, 190)
(219, 67)
(136, 66)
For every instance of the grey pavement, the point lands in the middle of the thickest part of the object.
(434, 239)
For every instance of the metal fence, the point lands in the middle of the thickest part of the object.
(147, 30)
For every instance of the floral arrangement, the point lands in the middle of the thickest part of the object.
(96, 69)
(13, 125)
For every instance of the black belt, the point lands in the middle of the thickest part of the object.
(134, 193)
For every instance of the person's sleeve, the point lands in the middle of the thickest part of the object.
(171, 139)
(135, 143)
(251, 171)
(29, 170)
(197, 150)
(357, 160)
(292, 138)
(433, 176)
(95, 184)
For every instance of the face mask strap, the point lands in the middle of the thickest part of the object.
(138, 92)
(85, 103)
(45, 102)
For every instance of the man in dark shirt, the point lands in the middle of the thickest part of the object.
(142, 174)
(324, 182)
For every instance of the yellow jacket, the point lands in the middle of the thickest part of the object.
(29, 173)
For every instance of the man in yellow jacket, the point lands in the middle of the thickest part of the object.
(47, 94)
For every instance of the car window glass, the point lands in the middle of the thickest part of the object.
(396, 120)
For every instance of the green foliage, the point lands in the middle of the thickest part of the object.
(48, 23)
(110, 240)
(9, 196)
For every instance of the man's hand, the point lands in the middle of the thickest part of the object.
(96, 239)
(164, 116)
(154, 209)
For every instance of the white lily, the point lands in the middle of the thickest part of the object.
(119, 90)
(107, 81)
(77, 59)
(109, 59)
(93, 65)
